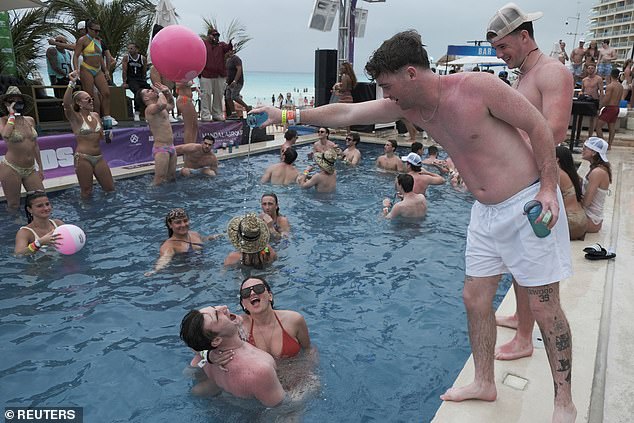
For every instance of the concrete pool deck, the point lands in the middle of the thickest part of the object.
(598, 302)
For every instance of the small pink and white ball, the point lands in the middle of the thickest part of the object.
(71, 239)
(178, 53)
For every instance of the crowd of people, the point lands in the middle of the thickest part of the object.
(518, 130)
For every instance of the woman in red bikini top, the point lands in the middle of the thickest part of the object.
(281, 333)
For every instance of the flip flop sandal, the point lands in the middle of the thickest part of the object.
(605, 256)
(594, 248)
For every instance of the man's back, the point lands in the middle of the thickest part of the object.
(325, 182)
(250, 374)
(613, 93)
(280, 174)
(412, 206)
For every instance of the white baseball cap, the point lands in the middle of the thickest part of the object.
(413, 159)
(507, 20)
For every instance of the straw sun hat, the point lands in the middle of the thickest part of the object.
(14, 91)
(326, 160)
(248, 233)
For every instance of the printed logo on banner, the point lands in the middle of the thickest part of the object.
(134, 139)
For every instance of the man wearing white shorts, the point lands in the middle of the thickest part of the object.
(501, 240)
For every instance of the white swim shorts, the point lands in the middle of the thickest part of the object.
(501, 240)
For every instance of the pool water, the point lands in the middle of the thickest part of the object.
(383, 300)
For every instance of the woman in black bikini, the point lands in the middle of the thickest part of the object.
(86, 125)
(181, 240)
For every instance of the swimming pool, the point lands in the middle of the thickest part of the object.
(383, 300)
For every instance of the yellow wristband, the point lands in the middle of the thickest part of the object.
(284, 117)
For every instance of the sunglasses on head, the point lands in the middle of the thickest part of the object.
(37, 191)
(258, 289)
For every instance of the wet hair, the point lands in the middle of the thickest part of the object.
(29, 201)
(277, 202)
(567, 164)
(356, 138)
(173, 215)
(597, 161)
(406, 181)
(403, 49)
(526, 26)
(255, 260)
(290, 134)
(193, 331)
(432, 149)
(394, 144)
(209, 137)
(416, 146)
(290, 155)
(266, 285)
(615, 73)
(349, 70)
(415, 168)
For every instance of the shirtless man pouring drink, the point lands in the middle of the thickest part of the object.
(159, 102)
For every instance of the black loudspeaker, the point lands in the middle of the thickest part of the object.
(363, 91)
(259, 135)
(325, 75)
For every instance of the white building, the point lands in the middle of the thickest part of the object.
(613, 20)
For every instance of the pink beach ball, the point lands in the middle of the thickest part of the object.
(178, 53)
(71, 239)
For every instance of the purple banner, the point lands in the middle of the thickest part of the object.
(129, 145)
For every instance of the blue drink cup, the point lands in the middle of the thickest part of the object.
(107, 124)
(532, 210)
(255, 120)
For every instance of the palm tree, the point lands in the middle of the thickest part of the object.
(28, 30)
(121, 21)
(234, 31)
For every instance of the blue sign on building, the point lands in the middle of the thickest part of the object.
(470, 51)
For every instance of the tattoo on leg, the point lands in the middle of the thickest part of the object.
(542, 293)
(562, 342)
(556, 389)
(559, 326)
(564, 364)
(569, 377)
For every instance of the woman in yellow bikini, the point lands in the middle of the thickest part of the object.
(86, 126)
(17, 168)
(93, 70)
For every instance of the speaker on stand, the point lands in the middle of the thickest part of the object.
(325, 75)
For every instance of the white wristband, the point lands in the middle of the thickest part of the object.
(297, 117)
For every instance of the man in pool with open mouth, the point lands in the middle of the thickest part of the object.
(476, 119)
(252, 372)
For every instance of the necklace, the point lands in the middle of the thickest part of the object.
(268, 343)
(520, 72)
(433, 113)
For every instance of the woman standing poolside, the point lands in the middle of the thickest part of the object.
(347, 82)
(570, 185)
(38, 233)
(277, 223)
(86, 126)
(250, 236)
(93, 70)
(185, 104)
(596, 182)
(18, 131)
(181, 240)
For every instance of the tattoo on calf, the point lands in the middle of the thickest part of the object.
(542, 293)
(564, 365)
(562, 342)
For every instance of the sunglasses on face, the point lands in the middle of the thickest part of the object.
(322, 132)
(348, 139)
(258, 289)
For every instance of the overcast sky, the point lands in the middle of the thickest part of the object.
(282, 40)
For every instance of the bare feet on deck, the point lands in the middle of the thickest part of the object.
(514, 349)
(484, 392)
(507, 321)
(564, 414)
